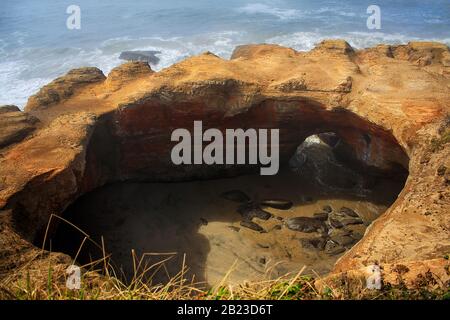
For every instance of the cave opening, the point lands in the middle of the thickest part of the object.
(331, 195)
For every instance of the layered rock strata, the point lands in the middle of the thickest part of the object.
(388, 104)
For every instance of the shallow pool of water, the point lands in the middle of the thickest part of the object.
(192, 223)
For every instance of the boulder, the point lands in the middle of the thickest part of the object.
(138, 55)
(277, 204)
(351, 221)
(250, 210)
(252, 226)
(332, 248)
(335, 223)
(348, 212)
(322, 216)
(313, 244)
(343, 240)
(306, 224)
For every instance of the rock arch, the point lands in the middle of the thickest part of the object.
(93, 130)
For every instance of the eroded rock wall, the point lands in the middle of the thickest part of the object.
(389, 103)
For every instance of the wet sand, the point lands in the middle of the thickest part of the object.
(191, 219)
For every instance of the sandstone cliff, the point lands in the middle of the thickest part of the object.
(389, 103)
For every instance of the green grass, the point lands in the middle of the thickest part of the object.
(96, 287)
(100, 281)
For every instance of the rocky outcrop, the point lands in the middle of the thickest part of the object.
(63, 87)
(388, 104)
(14, 125)
(127, 72)
(147, 56)
(419, 275)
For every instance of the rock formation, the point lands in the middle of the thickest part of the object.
(147, 56)
(389, 104)
(15, 125)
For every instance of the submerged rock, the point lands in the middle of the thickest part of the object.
(343, 240)
(233, 228)
(348, 212)
(236, 196)
(327, 209)
(356, 235)
(339, 232)
(322, 216)
(344, 218)
(351, 221)
(249, 211)
(332, 248)
(315, 243)
(306, 224)
(306, 199)
(252, 226)
(148, 56)
(335, 223)
(277, 204)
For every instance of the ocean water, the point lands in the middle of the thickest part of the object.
(36, 46)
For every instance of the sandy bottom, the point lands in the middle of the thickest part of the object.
(190, 221)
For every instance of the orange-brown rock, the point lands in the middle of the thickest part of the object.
(420, 275)
(64, 87)
(127, 72)
(14, 125)
(390, 104)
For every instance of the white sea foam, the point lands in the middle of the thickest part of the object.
(304, 41)
(26, 70)
(289, 14)
(23, 71)
(14, 90)
(258, 8)
(335, 11)
(175, 49)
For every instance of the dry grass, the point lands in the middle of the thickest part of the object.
(100, 280)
